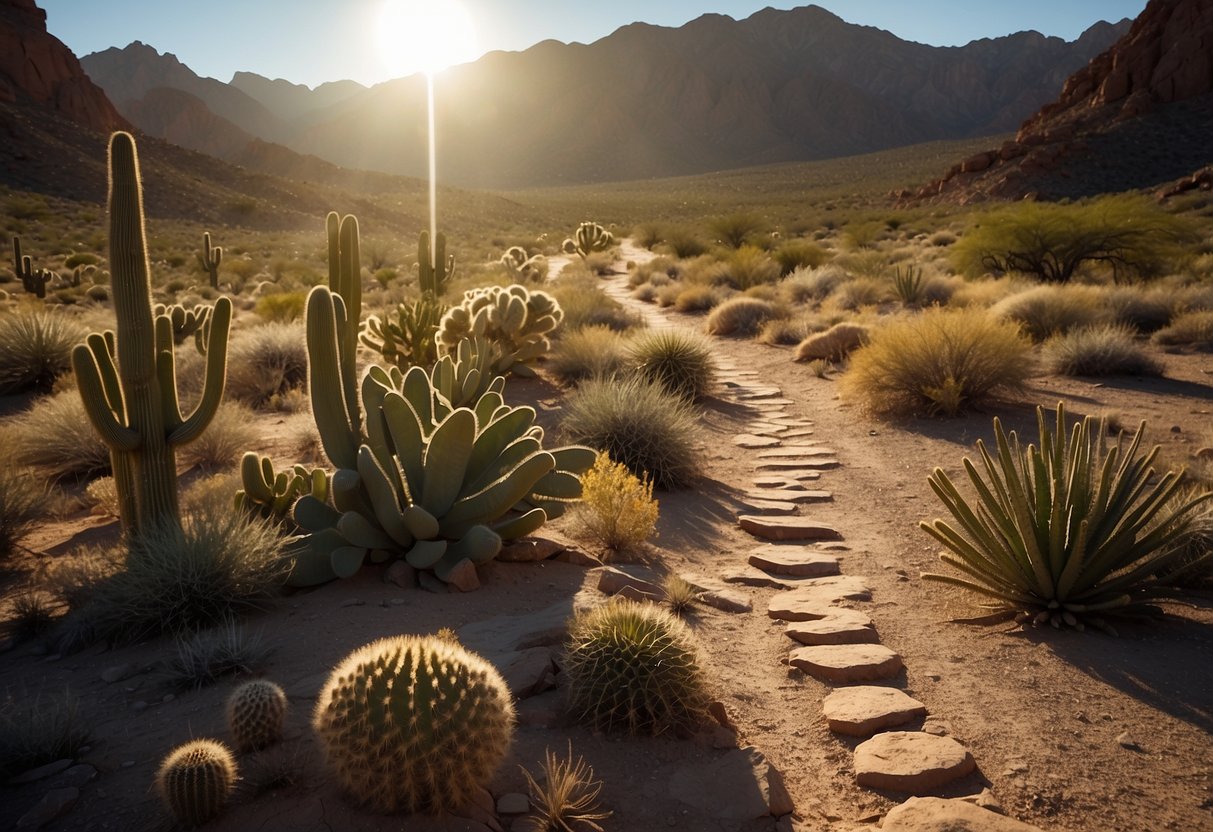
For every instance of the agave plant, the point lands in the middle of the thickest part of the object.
(1066, 531)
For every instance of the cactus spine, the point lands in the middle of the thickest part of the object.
(256, 712)
(32, 280)
(127, 382)
(195, 781)
(210, 258)
(434, 273)
(414, 723)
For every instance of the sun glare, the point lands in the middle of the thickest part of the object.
(424, 35)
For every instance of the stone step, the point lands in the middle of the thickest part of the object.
(787, 528)
(911, 762)
(924, 814)
(795, 450)
(798, 495)
(796, 561)
(766, 507)
(798, 463)
(778, 482)
(751, 441)
(817, 597)
(841, 627)
(847, 663)
(862, 710)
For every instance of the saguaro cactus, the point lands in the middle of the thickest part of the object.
(210, 258)
(33, 280)
(434, 273)
(127, 381)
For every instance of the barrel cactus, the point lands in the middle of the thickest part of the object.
(517, 321)
(414, 724)
(195, 781)
(634, 667)
(256, 713)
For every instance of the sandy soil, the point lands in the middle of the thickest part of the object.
(1041, 711)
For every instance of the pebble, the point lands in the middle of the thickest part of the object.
(117, 673)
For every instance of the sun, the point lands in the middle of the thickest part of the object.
(424, 35)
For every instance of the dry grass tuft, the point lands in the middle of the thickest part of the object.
(1107, 350)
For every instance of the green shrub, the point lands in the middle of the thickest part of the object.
(265, 362)
(749, 266)
(589, 352)
(173, 580)
(35, 349)
(640, 425)
(809, 286)
(1066, 532)
(793, 255)
(742, 317)
(56, 437)
(1050, 241)
(634, 667)
(40, 730)
(1046, 311)
(1100, 351)
(565, 796)
(784, 332)
(682, 243)
(585, 304)
(697, 299)
(1193, 565)
(204, 658)
(858, 292)
(1144, 310)
(681, 362)
(940, 361)
(617, 509)
(735, 230)
(22, 504)
(281, 307)
(1190, 329)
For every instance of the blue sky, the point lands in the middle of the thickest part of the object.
(312, 41)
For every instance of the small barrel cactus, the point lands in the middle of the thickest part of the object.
(634, 667)
(195, 781)
(414, 723)
(256, 712)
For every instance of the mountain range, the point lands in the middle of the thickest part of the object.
(645, 101)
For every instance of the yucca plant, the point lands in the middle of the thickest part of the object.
(1064, 532)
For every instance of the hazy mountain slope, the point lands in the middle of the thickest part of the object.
(293, 101)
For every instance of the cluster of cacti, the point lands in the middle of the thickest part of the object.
(195, 781)
(408, 337)
(435, 483)
(524, 268)
(635, 667)
(434, 269)
(516, 321)
(256, 714)
(126, 380)
(589, 238)
(273, 494)
(414, 723)
(80, 273)
(187, 322)
(210, 258)
(465, 374)
(33, 280)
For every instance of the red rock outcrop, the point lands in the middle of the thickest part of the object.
(1152, 87)
(36, 67)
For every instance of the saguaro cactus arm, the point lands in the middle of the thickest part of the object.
(434, 270)
(209, 258)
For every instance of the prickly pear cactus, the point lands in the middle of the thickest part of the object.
(517, 322)
(256, 713)
(524, 268)
(414, 723)
(195, 781)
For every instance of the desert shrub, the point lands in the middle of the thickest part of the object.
(265, 362)
(617, 509)
(859, 292)
(585, 304)
(1045, 311)
(648, 234)
(205, 657)
(281, 307)
(680, 594)
(1189, 329)
(564, 797)
(56, 437)
(640, 425)
(808, 286)
(986, 291)
(171, 580)
(864, 234)
(1065, 532)
(1145, 310)
(1050, 241)
(799, 254)
(230, 433)
(645, 293)
(735, 230)
(682, 243)
(681, 362)
(1193, 564)
(41, 730)
(941, 239)
(32, 614)
(694, 299)
(667, 295)
(785, 332)
(101, 495)
(1099, 351)
(634, 667)
(35, 349)
(742, 317)
(601, 263)
(835, 344)
(22, 504)
(749, 266)
(941, 361)
(589, 352)
(663, 267)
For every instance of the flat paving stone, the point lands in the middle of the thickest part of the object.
(841, 627)
(766, 507)
(759, 392)
(847, 663)
(798, 463)
(862, 710)
(797, 495)
(798, 561)
(754, 577)
(910, 761)
(778, 482)
(816, 598)
(751, 441)
(937, 814)
(766, 403)
(787, 528)
(795, 450)
(799, 433)
(802, 475)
